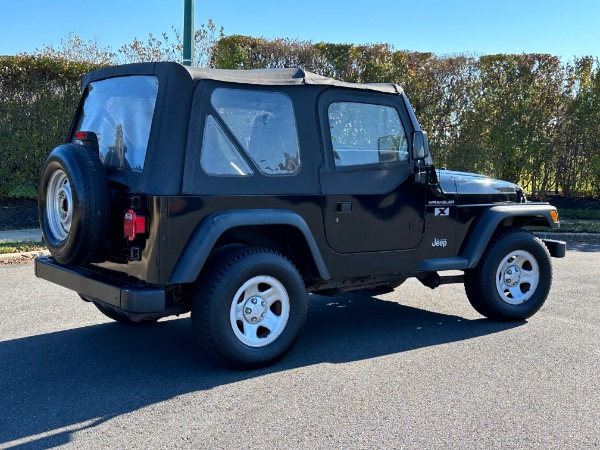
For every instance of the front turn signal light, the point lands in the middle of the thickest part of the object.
(554, 216)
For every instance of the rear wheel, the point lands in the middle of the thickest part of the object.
(249, 307)
(513, 277)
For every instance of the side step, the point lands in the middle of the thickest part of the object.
(433, 279)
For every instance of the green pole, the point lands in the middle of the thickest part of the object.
(188, 32)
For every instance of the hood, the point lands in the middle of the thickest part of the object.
(475, 188)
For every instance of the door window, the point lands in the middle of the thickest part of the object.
(365, 134)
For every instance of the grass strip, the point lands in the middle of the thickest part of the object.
(21, 246)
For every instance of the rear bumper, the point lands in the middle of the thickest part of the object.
(124, 294)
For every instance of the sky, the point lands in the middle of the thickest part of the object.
(565, 29)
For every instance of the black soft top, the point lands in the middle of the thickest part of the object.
(264, 77)
(178, 124)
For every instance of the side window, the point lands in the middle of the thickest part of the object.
(219, 155)
(264, 125)
(363, 133)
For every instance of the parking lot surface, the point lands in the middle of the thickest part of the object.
(417, 368)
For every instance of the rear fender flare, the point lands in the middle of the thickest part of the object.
(207, 234)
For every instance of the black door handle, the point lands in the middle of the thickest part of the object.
(343, 207)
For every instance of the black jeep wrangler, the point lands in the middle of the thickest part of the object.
(234, 194)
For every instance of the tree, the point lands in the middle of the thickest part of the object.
(74, 48)
(169, 47)
(578, 155)
(510, 131)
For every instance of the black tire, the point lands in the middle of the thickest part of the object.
(74, 226)
(233, 324)
(513, 277)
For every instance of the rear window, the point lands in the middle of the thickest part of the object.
(120, 110)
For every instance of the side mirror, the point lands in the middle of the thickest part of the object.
(420, 146)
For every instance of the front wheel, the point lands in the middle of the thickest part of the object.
(513, 277)
(249, 307)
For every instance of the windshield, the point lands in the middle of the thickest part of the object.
(120, 110)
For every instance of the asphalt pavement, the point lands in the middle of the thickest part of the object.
(417, 368)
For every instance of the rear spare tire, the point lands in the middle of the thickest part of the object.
(73, 205)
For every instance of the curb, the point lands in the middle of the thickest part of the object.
(593, 238)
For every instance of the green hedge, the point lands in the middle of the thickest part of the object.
(528, 118)
(531, 118)
(38, 97)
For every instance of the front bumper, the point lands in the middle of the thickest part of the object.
(128, 295)
(557, 249)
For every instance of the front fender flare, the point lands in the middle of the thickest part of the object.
(539, 214)
(206, 235)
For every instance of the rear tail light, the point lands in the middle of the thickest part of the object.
(133, 224)
(88, 139)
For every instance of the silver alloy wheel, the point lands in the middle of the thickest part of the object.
(59, 205)
(259, 311)
(517, 277)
